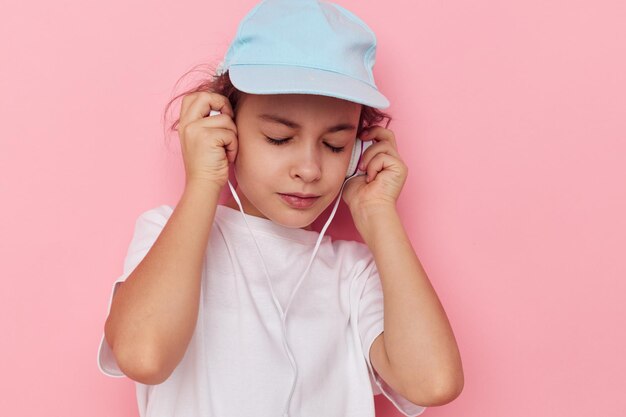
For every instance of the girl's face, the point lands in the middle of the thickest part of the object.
(317, 134)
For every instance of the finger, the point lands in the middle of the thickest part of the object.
(227, 139)
(199, 104)
(231, 145)
(379, 133)
(188, 101)
(379, 163)
(185, 105)
(222, 137)
(376, 148)
(223, 121)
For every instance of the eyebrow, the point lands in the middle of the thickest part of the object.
(293, 125)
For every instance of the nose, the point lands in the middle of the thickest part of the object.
(307, 163)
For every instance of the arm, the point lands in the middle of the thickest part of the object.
(417, 350)
(154, 311)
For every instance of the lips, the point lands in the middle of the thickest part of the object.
(302, 195)
(299, 202)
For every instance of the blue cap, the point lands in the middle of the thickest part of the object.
(304, 47)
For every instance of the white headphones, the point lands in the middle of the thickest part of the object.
(357, 154)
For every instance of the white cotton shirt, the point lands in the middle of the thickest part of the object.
(236, 364)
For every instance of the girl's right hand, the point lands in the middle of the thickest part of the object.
(208, 143)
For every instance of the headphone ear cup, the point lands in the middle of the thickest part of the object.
(357, 155)
(355, 158)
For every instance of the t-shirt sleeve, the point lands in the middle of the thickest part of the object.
(370, 324)
(148, 226)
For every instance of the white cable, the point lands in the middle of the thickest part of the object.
(276, 303)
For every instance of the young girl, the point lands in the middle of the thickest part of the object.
(242, 309)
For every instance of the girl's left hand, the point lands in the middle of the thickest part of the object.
(386, 173)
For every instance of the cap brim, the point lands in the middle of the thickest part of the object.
(275, 79)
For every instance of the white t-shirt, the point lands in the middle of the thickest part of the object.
(236, 364)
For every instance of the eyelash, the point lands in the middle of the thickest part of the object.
(283, 141)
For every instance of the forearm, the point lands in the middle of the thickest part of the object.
(418, 338)
(154, 311)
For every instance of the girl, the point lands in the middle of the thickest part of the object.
(242, 309)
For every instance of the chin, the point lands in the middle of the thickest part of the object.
(294, 221)
(294, 218)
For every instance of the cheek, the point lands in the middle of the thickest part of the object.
(345, 160)
(336, 172)
(247, 153)
(256, 165)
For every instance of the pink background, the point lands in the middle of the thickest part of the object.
(510, 115)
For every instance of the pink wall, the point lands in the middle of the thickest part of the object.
(510, 115)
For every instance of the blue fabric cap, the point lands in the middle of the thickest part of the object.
(304, 47)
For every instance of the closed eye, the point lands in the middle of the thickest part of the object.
(276, 141)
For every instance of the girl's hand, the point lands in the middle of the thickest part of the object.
(386, 174)
(208, 144)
